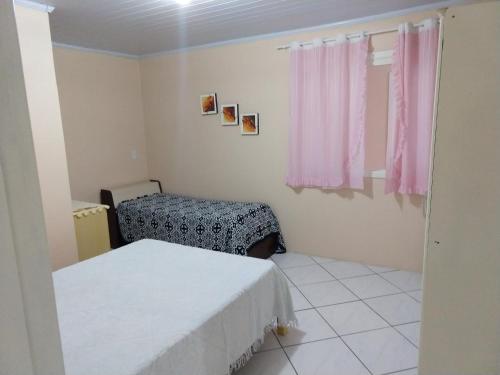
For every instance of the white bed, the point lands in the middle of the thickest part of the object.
(158, 308)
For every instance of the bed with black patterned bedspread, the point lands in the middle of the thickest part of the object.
(232, 227)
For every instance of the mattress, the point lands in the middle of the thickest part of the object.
(232, 227)
(157, 308)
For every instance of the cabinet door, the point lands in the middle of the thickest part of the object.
(460, 323)
(92, 234)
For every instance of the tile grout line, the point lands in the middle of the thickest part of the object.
(360, 299)
(404, 291)
(330, 338)
(396, 372)
(373, 273)
(367, 305)
(314, 283)
(385, 320)
(391, 325)
(388, 295)
(409, 295)
(283, 269)
(303, 295)
(406, 338)
(377, 329)
(282, 348)
(312, 341)
(325, 339)
(312, 308)
(347, 346)
(340, 337)
(400, 291)
(346, 278)
(373, 329)
(333, 329)
(289, 360)
(332, 304)
(337, 278)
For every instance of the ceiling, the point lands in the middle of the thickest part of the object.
(139, 27)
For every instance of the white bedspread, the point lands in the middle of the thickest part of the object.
(155, 308)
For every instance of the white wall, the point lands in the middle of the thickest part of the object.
(29, 336)
(43, 102)
(103, 121)
(461, 304)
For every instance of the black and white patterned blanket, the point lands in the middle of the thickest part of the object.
(232, 227)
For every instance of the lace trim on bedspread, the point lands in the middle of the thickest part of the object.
(245, 357)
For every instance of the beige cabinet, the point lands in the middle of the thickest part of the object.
(91, 226)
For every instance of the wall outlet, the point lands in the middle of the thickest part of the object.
(133, 154)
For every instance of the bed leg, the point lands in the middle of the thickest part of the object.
(282, 330)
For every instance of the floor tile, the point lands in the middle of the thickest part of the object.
(396, 309)
(413, 371)
(290, 259)
(314, 347)
(404, 280)
(273, 362)
(370, 286)
(410, 331)
(299, 301)
(307, 274)
(352, 317)
(325, 357)
(383, 350)
(381, 269)
(311, 327)
(328, 293)
(323, 259)
(342, 269)
(416, 295)
(270, 342)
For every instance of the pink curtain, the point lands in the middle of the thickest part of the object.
(411, 108)
(328, 106)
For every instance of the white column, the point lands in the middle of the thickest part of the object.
(48, 137)
(29, 334)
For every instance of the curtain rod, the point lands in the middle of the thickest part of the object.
(354, 35)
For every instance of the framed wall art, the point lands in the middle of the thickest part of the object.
(229, 114)
(208, 104)
(249, 124)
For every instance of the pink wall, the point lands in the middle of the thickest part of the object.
(101, 108)
(111, 106)
(195, 155)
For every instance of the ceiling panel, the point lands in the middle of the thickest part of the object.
(141, 27)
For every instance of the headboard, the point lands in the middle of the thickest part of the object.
(114, 196)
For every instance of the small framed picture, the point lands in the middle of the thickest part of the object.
(249, 124)
(208, 104)
(229, 114)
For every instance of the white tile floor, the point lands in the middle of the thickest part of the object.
(354, 319)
